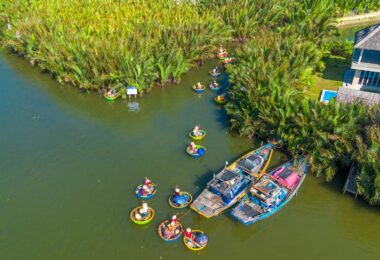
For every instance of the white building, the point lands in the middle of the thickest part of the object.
(362, 81)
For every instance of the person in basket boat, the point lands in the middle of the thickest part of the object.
(214, 84)
(198, 86)
(143, 212)
(229, 60)
(174, 219)
(193, 148)
(198, 240)
(215, 71)
(222, 52)
(188, 234)
(220, 98)
(177, 192)
(111, 93)
(172, 229)
(144, 191)
(196, 131)
(148, 182)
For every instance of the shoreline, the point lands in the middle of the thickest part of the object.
(358, 19)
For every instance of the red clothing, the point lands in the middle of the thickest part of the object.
(188, 235)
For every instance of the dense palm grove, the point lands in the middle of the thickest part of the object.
(95, 44)
(357, 6)
(267, 100)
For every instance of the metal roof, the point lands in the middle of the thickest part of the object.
(368, 38)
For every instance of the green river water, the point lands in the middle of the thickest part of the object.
(69, 163)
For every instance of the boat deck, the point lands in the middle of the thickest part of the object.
(208, 204)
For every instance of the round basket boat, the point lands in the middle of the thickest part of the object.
(148, 196)
(112, 98)
(216, 74)
(196, 155)
(177, 233)
(199, 90)
(192, 245)
(200, 137)
(228, 60)
(215, 88)
(187, 197)
(143, 221)
(220, 102)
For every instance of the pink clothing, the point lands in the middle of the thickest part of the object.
(291, 180)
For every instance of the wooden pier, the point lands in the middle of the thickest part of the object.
(350, 185)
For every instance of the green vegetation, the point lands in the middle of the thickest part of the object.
(343, 7)
(337, 59)
(99, 43)
(268, 100)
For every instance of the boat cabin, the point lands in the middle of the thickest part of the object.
(268, 191)
(250, 164)
(228, 184)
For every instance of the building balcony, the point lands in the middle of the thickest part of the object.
(365, 66)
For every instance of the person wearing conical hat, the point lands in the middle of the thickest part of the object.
(144, 209)
(196, 131)
(144, 190)
(147, 182)
(193, 148)
(188, 234)
(177, 192)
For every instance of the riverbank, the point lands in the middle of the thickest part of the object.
(358, 19)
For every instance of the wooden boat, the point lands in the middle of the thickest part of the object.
(220, 102)
(192, 244)
(215, 87)
(214, 74)
(145, 220)
(230, 185)
(200, 137)
(271, 192)
(199, 90)
(174, 235)
(186, 197)
(138, 190)
(196, 155)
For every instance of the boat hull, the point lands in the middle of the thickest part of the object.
(174, 205)
(197, 138)
(190, 245)
(172, 239)
(148, 196)
(196, 155)
(208, 212)
(141, 222)
(238, 214)
(199, 90)
(211, 203)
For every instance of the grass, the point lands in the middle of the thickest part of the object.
(331, 78)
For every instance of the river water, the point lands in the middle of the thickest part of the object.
(70, 162)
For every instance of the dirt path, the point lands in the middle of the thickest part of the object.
(357, 19)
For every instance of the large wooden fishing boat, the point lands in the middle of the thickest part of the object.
(229, 185)
(271, 192)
